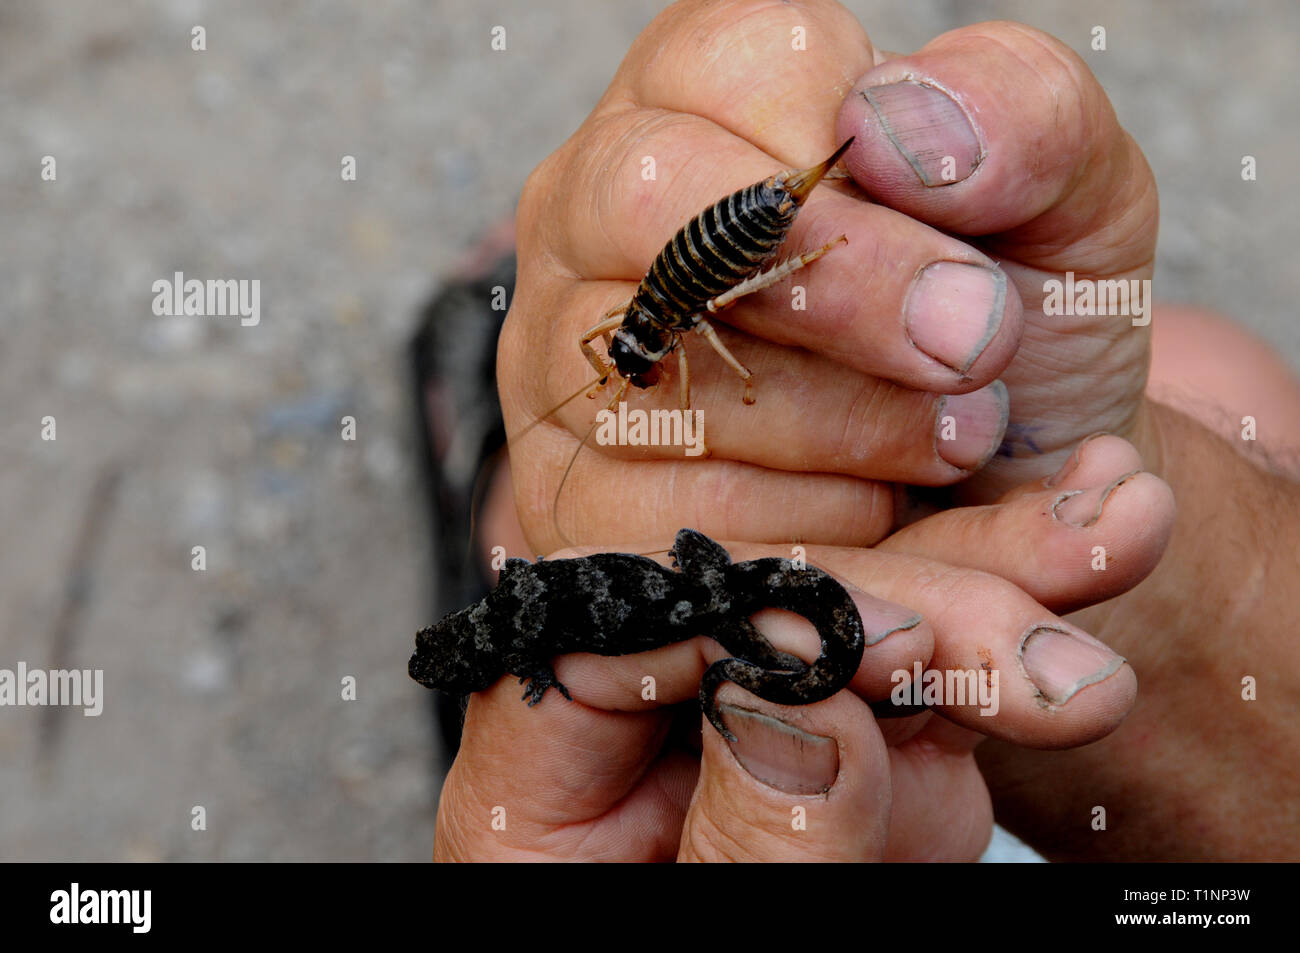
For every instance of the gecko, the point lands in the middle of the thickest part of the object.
(620, 604)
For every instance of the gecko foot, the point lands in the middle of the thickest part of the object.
(537, 684)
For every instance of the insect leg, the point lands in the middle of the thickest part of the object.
(612, 319)
(685, 372)
(770, 277)
(746, 375)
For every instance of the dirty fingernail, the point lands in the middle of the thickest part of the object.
(969, 427)
(953, 310)
(928, 129)
(1060, 661)
(1072, 462)
(881, 625)
(782, 756)
(880, 617)
(1083, 508)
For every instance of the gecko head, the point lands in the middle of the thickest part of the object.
(468, 650)
(695, 554)
(455, 656)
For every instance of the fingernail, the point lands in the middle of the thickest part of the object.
(881, 624)
(1083, 508)
(780, 755)
(1072, 463)
(1060, 661)
(969, 427)
(953, 310)
(928, 129)
(881, 618)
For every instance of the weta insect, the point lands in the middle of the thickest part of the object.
(714, 260)
(620, 604)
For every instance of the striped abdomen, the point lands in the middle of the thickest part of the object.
(719, 248)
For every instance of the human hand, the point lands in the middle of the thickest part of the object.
(614, 776)
(1049, 184)
(850, 392)
(1000, 133)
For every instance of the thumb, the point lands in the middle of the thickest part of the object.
(805, 783)
(1001, 129)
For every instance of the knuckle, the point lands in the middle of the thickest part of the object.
(710, 841)
(537, 186)
(1070, 90)
(857, 442)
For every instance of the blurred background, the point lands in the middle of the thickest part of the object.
(223, 687)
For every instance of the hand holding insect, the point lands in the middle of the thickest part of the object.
(717, 258)
(995, 132)
(853, 396)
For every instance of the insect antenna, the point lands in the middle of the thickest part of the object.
(489, 466)
(555, 505)
(486, 472)
(585, 387)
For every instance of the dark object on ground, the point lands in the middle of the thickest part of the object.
(453, 359)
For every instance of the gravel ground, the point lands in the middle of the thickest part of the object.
(223, 686)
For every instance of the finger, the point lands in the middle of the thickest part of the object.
(1002, 665)
(1033, 145)
(896, 638)
(1105, 458)
(773, 72)
(862, 426)
(799, 784)
(1099, 530)
(735, 76)
(604, 497)
(1043, 173)
(552, 774)
(932, 778)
